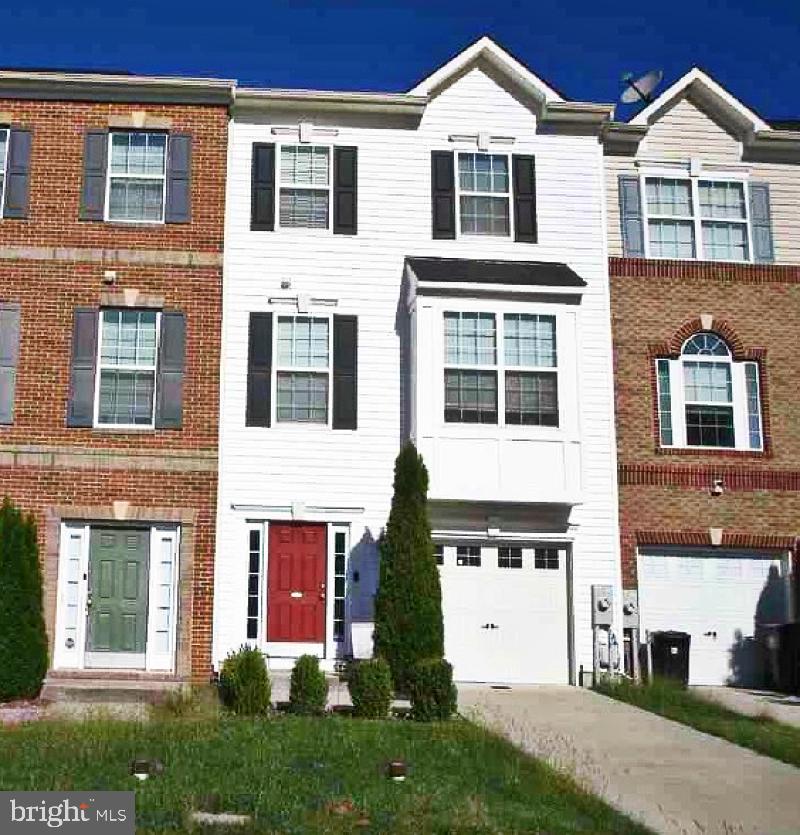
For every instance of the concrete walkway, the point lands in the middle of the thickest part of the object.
(778, 706)
(671, 778)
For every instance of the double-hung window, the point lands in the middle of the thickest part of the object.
(697, 218)
(484, 194)
(303, 369)
(708, 400)
(526, 366)
(137, 163)
(304, 189)
(3, 159)
(126, 381)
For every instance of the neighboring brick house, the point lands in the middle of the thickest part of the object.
(704, 246)
(112, 191)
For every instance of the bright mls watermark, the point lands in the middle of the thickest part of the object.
(68, 812)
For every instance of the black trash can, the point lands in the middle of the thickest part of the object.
(670, 655)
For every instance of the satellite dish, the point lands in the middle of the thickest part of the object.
(640, 89)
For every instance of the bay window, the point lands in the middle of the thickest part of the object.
(526, 367)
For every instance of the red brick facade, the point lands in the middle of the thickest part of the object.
(53, 262)
(665, 494)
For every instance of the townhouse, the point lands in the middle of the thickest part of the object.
(112, 194)
(429, 265)
(704, 246)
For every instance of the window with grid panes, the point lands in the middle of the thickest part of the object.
(304, 186)
(468, 555)
(339, 584)
(706, 399)
(484, 194)
(137, 168)
(127, 367)
(253, 584)
(546, 558)
(697, 218)
(509, 557)
(302, 369)
(526, 367)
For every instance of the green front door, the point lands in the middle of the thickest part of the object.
(118, 571)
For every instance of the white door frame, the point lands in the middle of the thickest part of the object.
(69, 646)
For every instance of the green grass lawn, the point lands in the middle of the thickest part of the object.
(303, 775)
(762, 734)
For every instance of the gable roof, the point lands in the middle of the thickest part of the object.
(716, 98)
(500, 59)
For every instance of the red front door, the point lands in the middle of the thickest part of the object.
(296, 582)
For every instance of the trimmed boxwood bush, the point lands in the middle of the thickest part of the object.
(370, 686)
(23, 640)
(308, 689)
(244, 683)
(433, 694)
(408, 604)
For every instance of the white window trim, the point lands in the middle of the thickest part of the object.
(4, 168)
(741, 427)
(144, 427)
(303, 369)
(500, 368)
(161, 177)
(509, 195)
(695, 218)
(303, 230)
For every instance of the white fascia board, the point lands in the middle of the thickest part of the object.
(254, 98)
(485, 47)
(712, 90)
(578, 113)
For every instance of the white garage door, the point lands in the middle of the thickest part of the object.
(717, 597)
(505, 613)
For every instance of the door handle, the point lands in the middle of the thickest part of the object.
(89, 601)
(322, 591)
(710, 634)
(486, 626)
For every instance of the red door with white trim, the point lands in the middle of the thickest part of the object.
(296, 582)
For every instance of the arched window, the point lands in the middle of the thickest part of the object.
(708, 399)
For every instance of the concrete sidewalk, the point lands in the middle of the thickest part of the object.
(778, 706)
(663, 774)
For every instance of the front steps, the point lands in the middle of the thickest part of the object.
(107, 687)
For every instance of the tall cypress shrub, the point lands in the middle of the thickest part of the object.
(23, 640)
(408, 605)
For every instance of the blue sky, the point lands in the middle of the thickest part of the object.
(582, 48)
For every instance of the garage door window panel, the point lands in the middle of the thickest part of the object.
(708, 400)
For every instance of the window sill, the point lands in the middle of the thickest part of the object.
(721, 452)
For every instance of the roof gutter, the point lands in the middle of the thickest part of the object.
(401, 103)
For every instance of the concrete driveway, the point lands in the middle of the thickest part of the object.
(777, 706)
(667, 776)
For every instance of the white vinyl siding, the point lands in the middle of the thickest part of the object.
(695, 217)
(137, 164)
(126, 372)
(304, 187)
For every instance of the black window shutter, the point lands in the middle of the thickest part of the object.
(345, 372)
(259, 370)
(18, 173)
(524, 179)
(443, 194)
(262, 201)
(9, 355)
(345, 184)
(179, 179)
(93, 193)
(80, 409)
(171, 360)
